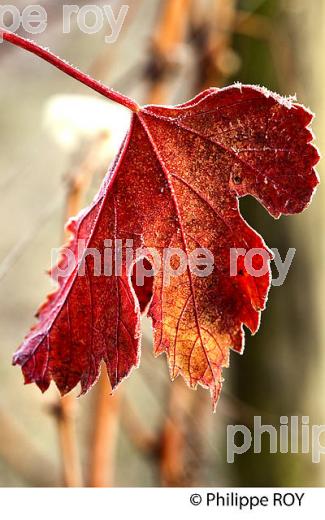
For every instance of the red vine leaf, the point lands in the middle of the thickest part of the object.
(176, 184)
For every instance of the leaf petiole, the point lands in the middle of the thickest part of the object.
(64, 66)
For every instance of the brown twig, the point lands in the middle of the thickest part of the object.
(169, 33)
(106, 423)
(172, 459)
(64, 412)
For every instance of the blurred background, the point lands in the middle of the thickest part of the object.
(57, 139)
